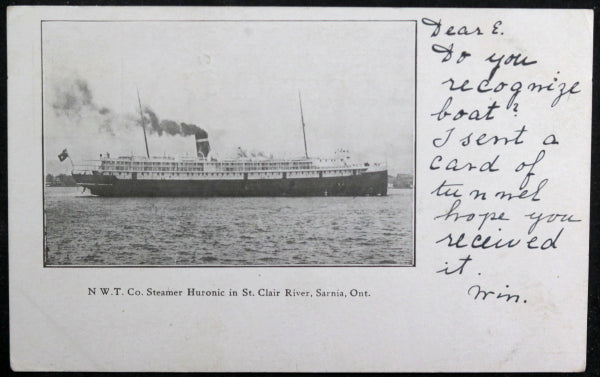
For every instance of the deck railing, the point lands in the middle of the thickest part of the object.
(86, 167)
(122, 165)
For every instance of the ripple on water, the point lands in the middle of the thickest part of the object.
(232, 231)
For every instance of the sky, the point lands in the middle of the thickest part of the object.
(239, 81)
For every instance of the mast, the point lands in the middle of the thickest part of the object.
(303, 126)
(143, 125)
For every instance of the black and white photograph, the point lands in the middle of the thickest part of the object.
(299, 189)
(229, 143)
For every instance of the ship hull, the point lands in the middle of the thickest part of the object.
(365, 184)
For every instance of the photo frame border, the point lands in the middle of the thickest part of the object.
(45, 263)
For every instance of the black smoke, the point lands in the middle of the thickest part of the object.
(73, 100)
(171, 127)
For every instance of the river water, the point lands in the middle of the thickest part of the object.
(96, 231)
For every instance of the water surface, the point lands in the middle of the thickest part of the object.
(88, 230)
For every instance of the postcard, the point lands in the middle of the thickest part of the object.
(232, 189)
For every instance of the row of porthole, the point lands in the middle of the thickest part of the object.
(228, 174)
(187, 174)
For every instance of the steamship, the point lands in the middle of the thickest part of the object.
(203, 175)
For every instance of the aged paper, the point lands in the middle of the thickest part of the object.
(293, 189)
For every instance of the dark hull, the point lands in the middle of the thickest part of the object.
(374, 183)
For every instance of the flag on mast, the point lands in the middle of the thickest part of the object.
(63, 156)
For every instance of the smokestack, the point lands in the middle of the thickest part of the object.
(202, 146)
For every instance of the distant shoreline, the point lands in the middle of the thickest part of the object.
(61, 180)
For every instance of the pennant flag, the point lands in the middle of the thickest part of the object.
(63, 156)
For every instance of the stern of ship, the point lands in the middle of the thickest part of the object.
(377, 179)
(98, 184)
